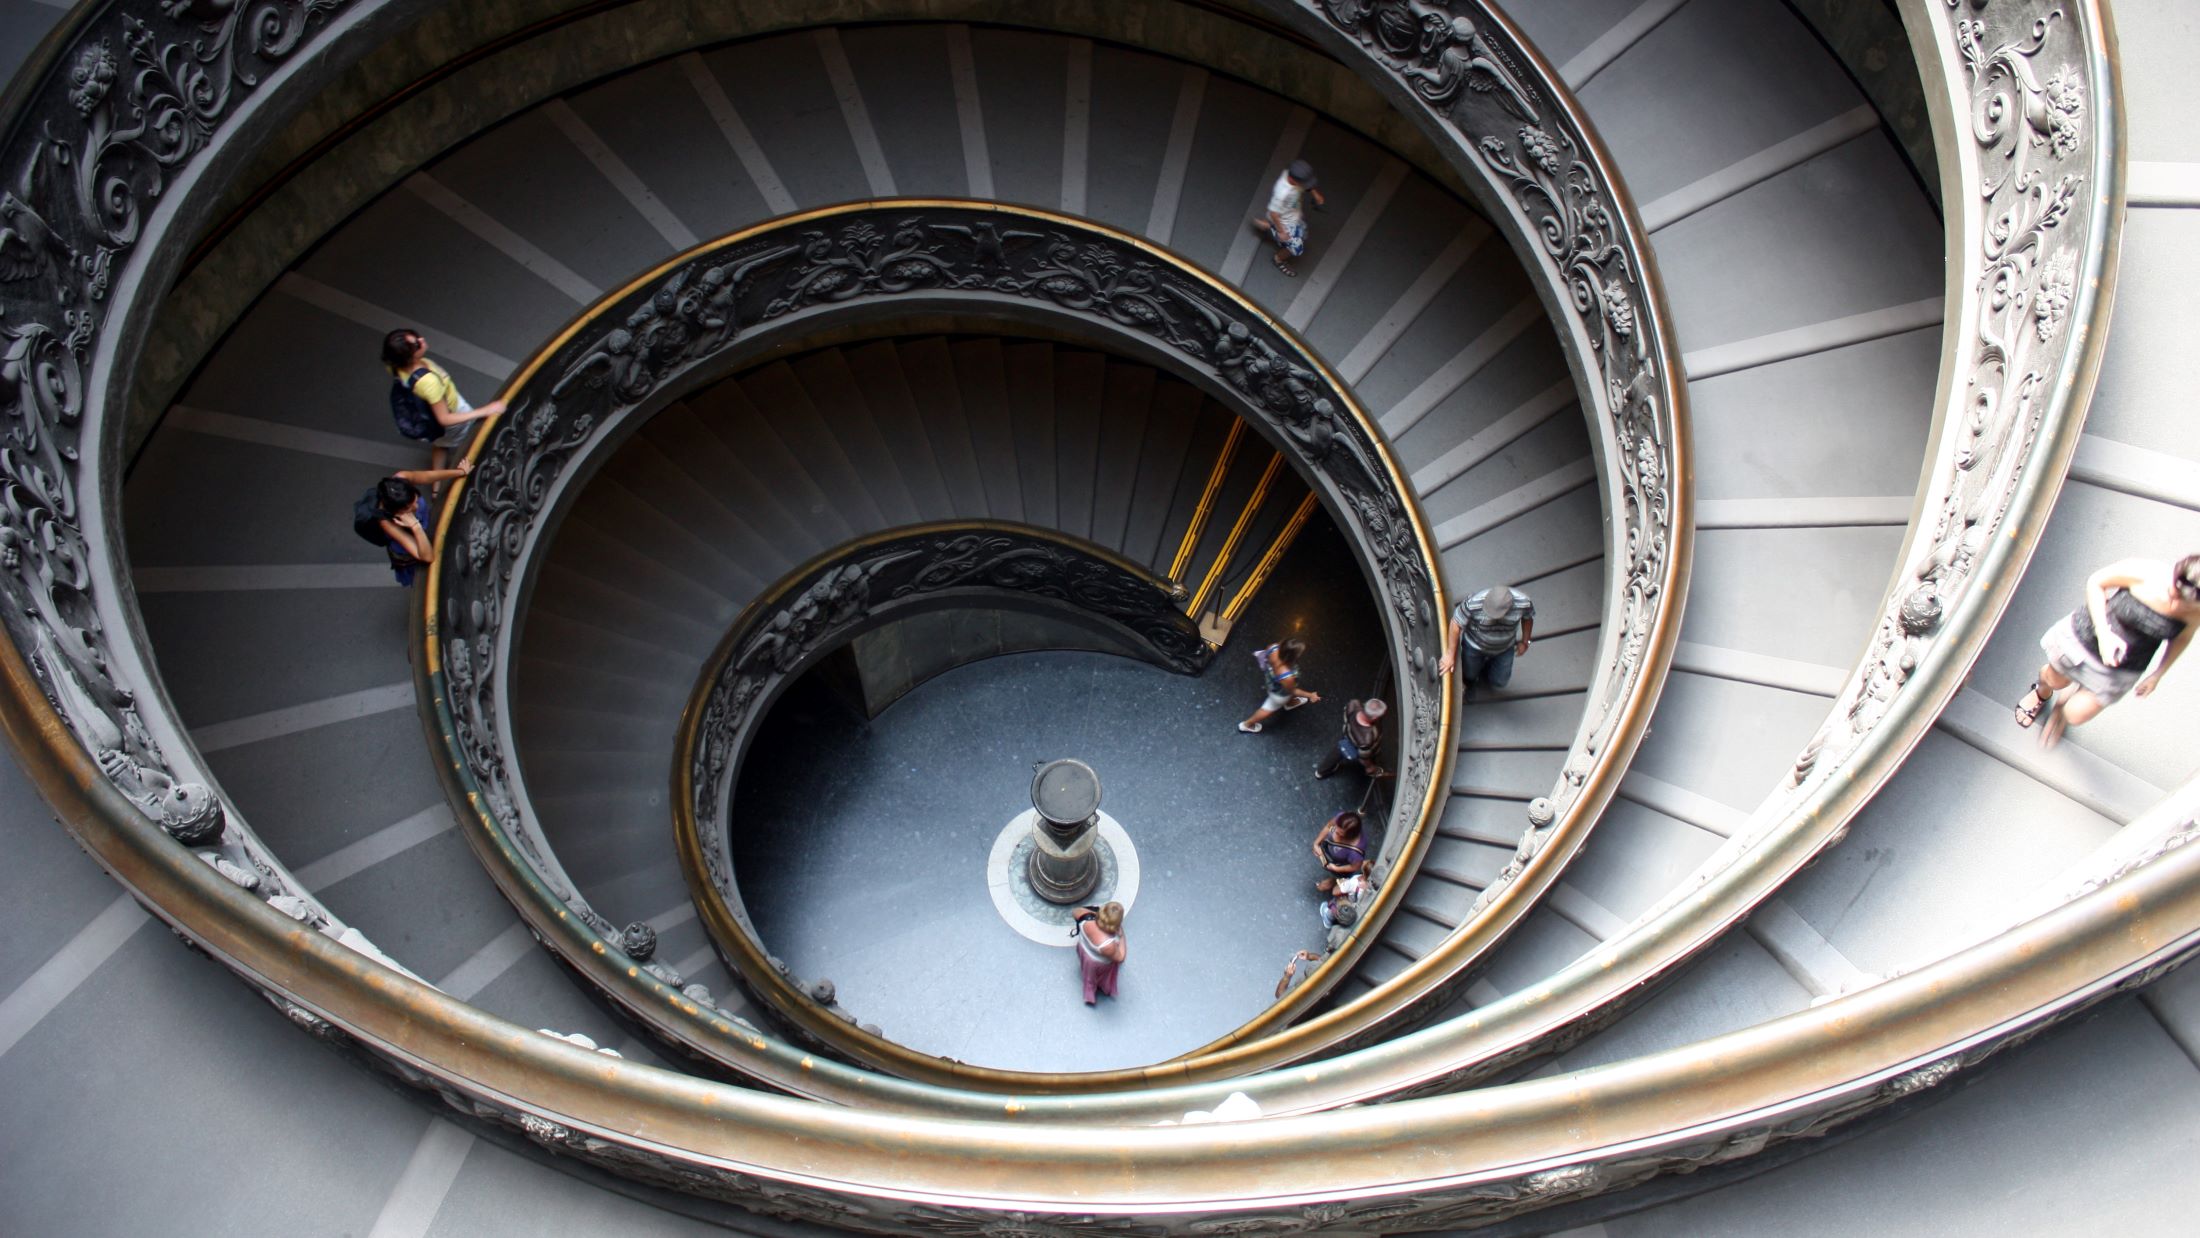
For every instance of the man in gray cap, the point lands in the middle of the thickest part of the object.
(1285, 222)
(1489, 630)
(1361, 740)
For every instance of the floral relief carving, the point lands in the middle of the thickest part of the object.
(146, 88)
(1534, 153)
(2030, 122)
(134, 99)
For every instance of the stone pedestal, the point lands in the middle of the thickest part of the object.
(1064, 867)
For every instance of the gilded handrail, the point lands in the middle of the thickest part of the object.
(1236, 534)
(1266, 564)
(1205, 508)
(2030, 89)
(1499, 113)
(102, 133)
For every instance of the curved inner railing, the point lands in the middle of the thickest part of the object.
(2028, 123)
(820, 607)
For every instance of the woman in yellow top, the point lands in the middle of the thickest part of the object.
(424, 400)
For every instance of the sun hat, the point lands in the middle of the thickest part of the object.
(1493, 595)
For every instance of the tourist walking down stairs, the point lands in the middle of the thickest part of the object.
(2133, 610)
(1488, 630)
(1284, 224)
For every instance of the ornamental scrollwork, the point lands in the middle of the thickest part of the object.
(142, 91)
(137, 95)
(2034, 136)
(1465, 65)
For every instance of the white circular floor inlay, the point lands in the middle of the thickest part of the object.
(1035, 918)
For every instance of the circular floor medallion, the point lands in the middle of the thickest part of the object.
(1034, 917)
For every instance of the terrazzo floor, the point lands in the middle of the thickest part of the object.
(861, 847)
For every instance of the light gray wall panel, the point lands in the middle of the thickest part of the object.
(1755, 77)
(2141, 399)
(1849, 422)
(1952, 839)
(1818, 242)
(162, 1059)
(2161, 93)
(1808, 595)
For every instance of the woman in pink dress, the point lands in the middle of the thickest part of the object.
(1100, 948)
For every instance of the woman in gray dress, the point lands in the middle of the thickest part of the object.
(2132, 610)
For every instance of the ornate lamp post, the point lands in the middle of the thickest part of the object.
(1065, 798)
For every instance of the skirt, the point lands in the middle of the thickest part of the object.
(1098, 975)
(2082, 663)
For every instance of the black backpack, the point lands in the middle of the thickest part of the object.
(415, 420)
(367, 517)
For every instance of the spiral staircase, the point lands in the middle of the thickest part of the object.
(1664, 1024)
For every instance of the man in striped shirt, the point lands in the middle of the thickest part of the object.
(1489, 630)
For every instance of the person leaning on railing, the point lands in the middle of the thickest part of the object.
(1341, 850)
(1488, 630)
(424, 400)
(1360, 741)
(394, 516)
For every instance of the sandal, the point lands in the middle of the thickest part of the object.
(2029, 714)
(1285, 267)
(1250, 728)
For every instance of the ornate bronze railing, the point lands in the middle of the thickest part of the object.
(1410, 1165)
(2027, 119)
(1498, 113)
(108, 134)
(2032, 259)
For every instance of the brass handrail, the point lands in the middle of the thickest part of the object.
(2017, 369)
(1993, 471)
(1236, 534)
(1578, 232)
(1266, 564)
(1205, 508)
